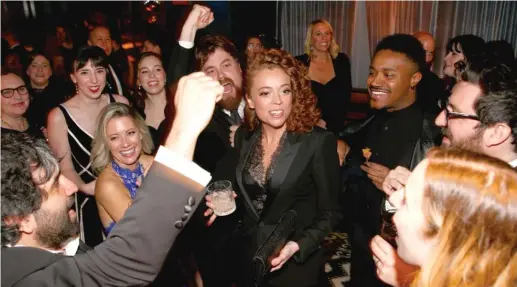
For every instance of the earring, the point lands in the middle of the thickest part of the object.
(76, 89)
(139, 87)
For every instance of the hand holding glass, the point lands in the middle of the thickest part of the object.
(222, 197)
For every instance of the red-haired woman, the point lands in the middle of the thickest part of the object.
(285, 162)
(456, 220)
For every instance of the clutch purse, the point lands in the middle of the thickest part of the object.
(272, 246)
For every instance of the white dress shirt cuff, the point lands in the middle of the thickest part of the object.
(186, 44)
(182, 165)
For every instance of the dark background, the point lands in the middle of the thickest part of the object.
(129, 20)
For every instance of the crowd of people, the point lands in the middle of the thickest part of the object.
(105, 163)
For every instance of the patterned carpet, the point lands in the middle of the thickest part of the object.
(338, 263)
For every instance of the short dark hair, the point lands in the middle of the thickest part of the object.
(404, 44)
(21, 196)
(207, 46)
(498, 100)
(32, 55)
(90, 53)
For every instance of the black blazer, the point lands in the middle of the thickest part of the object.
(180, 63)
(135, 250)
(307, 176)
(214, 141)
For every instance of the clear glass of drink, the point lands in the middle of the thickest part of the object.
(221, 196)
(388, 229)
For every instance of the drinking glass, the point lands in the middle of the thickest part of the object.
(221, 196)
(388, 229)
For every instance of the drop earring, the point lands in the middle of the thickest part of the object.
(76, 89)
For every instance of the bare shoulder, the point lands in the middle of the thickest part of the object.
(121, 99)
(56, 116)
(107, 181)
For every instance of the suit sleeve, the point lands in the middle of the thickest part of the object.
(180, 63)
(135, 250)
(325, 170)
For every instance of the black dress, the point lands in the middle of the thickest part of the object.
(334, 96)
(44, 100)
(91, 229)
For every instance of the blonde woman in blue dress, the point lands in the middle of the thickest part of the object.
(120, 154)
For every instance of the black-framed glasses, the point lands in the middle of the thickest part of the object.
(454, 115)
(9, 92)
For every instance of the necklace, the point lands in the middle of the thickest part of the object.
(24, 124)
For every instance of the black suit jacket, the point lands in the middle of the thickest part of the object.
(307, 174)
(180, 63)
(214, 142)
(133, 253)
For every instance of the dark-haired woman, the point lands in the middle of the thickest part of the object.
(151, 80)
(285, 162)
(71, 127)
(460, 50)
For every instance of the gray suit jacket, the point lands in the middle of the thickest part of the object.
(133, 253)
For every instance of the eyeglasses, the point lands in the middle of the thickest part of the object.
(252, 46)
(9, 93)
(454, 115)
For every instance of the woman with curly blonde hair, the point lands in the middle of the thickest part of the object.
(329, 72)
(286, 162)
(457, 221)
(120, 151)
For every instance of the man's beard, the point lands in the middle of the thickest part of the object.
(472, 143)
(54, 228)
(231, 102)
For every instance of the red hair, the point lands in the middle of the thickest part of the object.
(304, 115)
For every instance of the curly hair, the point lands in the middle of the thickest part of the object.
(101, 154)
(21, 154)
(334, 47)
(304, 115)
(470, 206)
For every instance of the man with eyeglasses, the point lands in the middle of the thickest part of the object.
(481, 116)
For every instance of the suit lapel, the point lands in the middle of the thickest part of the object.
(244, 154)
(285, 159)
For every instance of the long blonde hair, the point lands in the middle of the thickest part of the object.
(470, 204)
(334, 47)
(101, 155)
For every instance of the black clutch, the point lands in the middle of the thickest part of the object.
(272, 246)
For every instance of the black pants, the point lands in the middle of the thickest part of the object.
(363, 270)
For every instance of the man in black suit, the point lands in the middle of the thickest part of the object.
(219, 59)
(399, 133)
(481, 116)
(37, 219)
